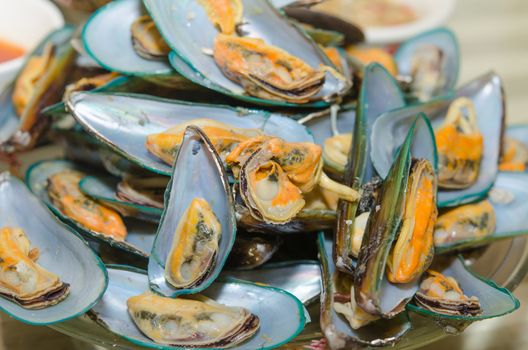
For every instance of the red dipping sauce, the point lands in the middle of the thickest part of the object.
(9, 51)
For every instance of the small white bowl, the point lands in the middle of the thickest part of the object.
(25, 23)
(431, 14)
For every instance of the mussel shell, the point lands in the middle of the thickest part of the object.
(103, 189)
(62, 251)
(495, 301)
(189, 35)
(108, 40)
(379, 93)
(336, 329)
(300, 278)
(198, 173)
(510, 214)
(140, 236)
(9, 120)
(123, 121)
(487, 95)
(281, 314)
(373, 292)
(252, 250)
(446, 41)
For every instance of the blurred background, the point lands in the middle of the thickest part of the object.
(492, 35)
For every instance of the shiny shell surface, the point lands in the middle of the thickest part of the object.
(188, 36)
(197, 173)
(124, 121)
(62, 252)
(281, 314)
(487, 96)
(140, 235)
(116, 52)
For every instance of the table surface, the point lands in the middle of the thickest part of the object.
(493, 35)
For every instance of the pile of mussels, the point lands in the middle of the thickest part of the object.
(212, 147)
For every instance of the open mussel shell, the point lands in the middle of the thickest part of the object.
(494, 300)
(140, 235)
(373, 292)
(62, 252)
(281, 315)
(443, 39)
(337, 329)
(188, 36)
(509, 198)
(103, 190)
(123, 122)
(300, 278)
(20, 132)
(379, 93)
(108, 40)
(198, 173)
(486, 93)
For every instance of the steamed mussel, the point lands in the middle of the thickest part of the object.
(514, 156)
(226, 15)
(146, 39)
(195, 245)
(470, 221)
(22, 279)
(165, 145)
(413, 251)
(427, 72)
(336, 149)
(442, 294)
(276, 174)
(266, 71)
(64, 192)
(460, 146)
(147, 191)
(197, 322)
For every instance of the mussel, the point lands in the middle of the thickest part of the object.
(194, 246)
(442, 294)
(397, 246)
(64, 192)
(460, 146)
(146, 39)
(22, 279)
(266, 71)
(514, 156)
(336, 149)
(39, 84)
(275, 176)
(469, 221)
(413, 251)
(226, 15)
(427, 72)
(165, 145)
(198, 226)
(198, 322)
(147, 191)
